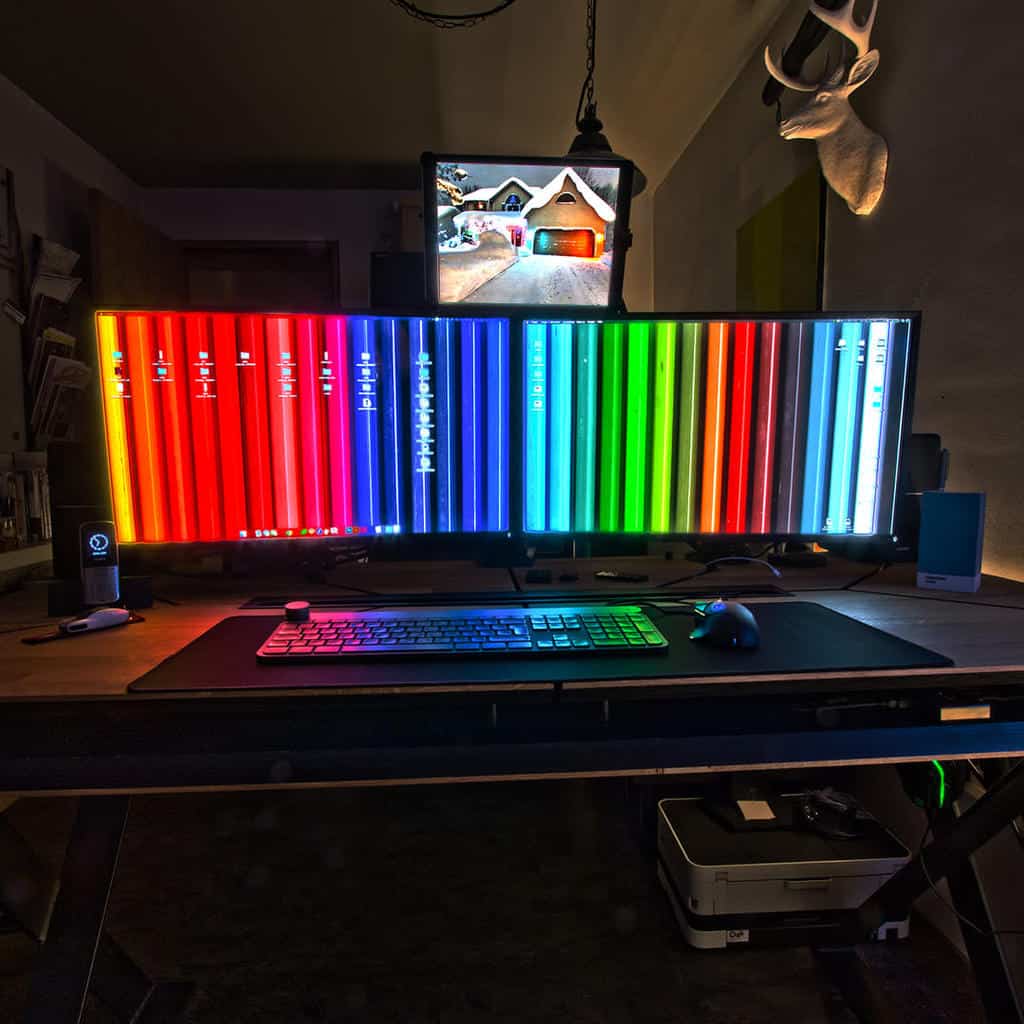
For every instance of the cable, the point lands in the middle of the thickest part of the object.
(515, 580)
(22, 629)
(451, 20)
(963, 919)
(348, 586)
(860, 579)
(710, 567)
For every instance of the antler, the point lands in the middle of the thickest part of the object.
(789, 81)
(843, 21)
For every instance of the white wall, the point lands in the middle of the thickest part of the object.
(946, 238)
(731, 168)
(53, 170)
(360, 221)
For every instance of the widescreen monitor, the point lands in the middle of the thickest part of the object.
(518, 231)
(229, 427)
(263, 426)
(765, 428)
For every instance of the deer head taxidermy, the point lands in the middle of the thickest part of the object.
(853, 158)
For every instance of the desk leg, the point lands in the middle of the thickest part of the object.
(62, 973)
(946, 857)
(859, 991)
(995, 987)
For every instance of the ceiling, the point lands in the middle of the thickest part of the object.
(347, 93)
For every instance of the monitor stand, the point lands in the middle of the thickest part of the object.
(507, 553)
(713, 548)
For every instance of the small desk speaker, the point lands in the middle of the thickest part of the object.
(949, 548)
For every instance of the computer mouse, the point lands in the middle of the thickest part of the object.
(99, 618)
(726, 624)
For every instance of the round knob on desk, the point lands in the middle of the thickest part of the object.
(297, 611)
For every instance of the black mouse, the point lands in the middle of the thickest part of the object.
(726, 624)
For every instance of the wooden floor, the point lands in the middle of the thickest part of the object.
(508, 903)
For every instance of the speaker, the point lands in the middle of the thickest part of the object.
(950, 541)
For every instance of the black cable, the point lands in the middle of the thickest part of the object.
(684, 579)
(451, 20)
(515, 580)
(711, 566)
(355, 590)
(21, 629)
(963, 919)
(860, 579)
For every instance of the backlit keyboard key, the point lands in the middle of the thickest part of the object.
(552, 631)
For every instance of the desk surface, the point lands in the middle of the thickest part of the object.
(980, 631)
(68, 725)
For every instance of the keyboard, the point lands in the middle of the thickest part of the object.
(464, 631)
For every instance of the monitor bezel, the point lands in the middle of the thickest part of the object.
(822, 538)
(620, 248)
(516, 533)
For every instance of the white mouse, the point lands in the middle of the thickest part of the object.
(101, 618)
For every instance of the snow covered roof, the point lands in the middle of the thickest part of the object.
(543, 196)
(483, 194)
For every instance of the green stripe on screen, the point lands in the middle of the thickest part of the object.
(610, 487)
(585, 497)
(688, 435)
(638, 356)
(663, 427)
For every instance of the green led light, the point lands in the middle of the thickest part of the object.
(638, 354)
(664, 422)
(612, 346)
(942, 782)
(688, 435)
(584, 499)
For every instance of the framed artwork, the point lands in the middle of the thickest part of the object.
(6, 218)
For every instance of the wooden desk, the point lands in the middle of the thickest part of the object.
(67, 725)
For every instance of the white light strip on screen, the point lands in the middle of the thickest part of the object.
(869, 462)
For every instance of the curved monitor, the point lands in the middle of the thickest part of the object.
(228, 427)
(263, 426)
(768, 428)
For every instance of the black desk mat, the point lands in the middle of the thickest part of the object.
(796, 636)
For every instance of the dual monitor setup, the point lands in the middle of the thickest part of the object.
(228, 427)
(522, 402)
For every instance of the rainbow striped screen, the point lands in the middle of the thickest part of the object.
(224, 426)
(737, 427)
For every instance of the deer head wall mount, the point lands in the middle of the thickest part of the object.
(853, 158)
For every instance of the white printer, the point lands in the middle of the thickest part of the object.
(770, 886)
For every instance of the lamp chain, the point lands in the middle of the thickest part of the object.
(587, 107)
